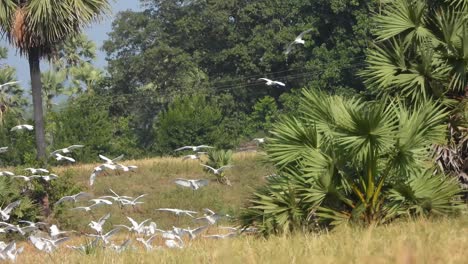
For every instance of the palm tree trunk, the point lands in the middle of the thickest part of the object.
(36, 87)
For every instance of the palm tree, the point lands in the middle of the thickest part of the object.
(75, 51)
(421, 52)
(12, 101)
(37, 28)
(345, 160)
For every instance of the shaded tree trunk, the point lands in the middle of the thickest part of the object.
(36, 88)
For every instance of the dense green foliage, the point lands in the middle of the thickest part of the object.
(345, 160)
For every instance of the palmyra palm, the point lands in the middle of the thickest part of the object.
(36, 28)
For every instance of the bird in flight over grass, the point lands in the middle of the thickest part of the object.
(60, 157)
(194, 148)
(192, 184)
(178, 211)
(272, 83)
(21, 127)
(66, 150)
(217, 171)
(36, 171)
(297, 40)
(73, 198)
(5, 213)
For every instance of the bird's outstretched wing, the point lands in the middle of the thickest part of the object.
(104, 158)
(103, 219)
(11, 206)
(211, 168)
(182, 182)
(75, 147)
(265, 79)
(202, 182)
(184, 147)
(303, 33)
(118, 158)
(289, 48)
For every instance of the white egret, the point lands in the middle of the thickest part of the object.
(219, 170)
(6, 212)
(194, 148)
(297, 40)
(192, 184)
(73, 198)
(272, 83)
(21, 127)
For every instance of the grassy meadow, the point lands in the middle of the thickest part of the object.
(418, 241)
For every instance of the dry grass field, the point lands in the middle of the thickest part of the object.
(418, 241)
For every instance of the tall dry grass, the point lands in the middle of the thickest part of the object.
(418, 241)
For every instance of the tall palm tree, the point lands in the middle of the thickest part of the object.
(36, 28)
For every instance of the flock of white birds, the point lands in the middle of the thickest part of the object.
(146, 231)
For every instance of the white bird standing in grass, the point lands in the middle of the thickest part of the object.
(259, 140)
(271, 82)
(73, 198)
(194, 148)
(21, 127)
(217, 171)
(297, 40)
(192, 184)
(6, 212)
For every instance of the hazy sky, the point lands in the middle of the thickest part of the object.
(96, 32)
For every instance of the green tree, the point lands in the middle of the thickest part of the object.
(12, 101)
(189, 120)
(36, 28)
(53, 85)
(346, 160)
(420, 53)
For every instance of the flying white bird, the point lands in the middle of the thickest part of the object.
(259, 140)
(66, 150)
(26, 178)
(132, 202)
(98, 225)
(147, 243)
(192, 233)
(150, 229)
(6, 212)
(271, 82)
(37, 224)
(136, 227)
(46, 245)
(6, 173)
(178, 211)
(60, 157)
(21, 127)
(87, 208)
(217, 171)
(229, 235)
(8, 83)
(101, 201)
(48, 177)
(111, 161)
(106, 236)
(55, 232)
(210, 216)
(195, 156)
(194, 148)
(3, 149)
(9, 252)
(116, 197)
(193, 184)
(36, 171)
(73, 198)
(17, 228)
(173, 244)
(298, 40)
(120, 248)
(126, 168)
